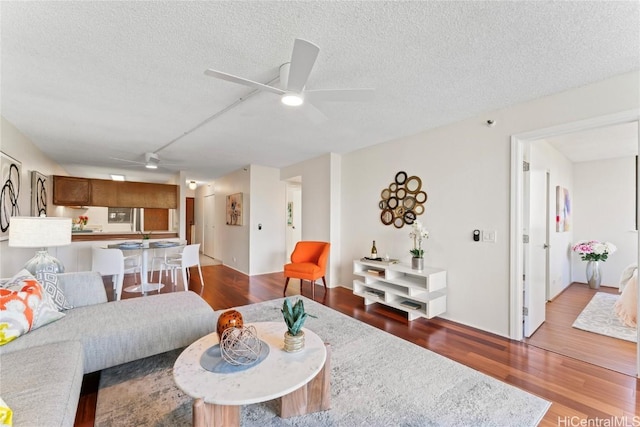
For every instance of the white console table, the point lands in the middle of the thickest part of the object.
(420, 293)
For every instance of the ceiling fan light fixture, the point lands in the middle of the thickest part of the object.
(152, 160)
(292, 99)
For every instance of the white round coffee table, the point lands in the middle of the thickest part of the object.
(284, 375)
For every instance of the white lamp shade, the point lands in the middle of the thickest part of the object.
(39, 232)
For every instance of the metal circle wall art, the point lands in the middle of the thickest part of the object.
(402, 201)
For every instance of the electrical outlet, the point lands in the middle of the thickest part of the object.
(234, 259)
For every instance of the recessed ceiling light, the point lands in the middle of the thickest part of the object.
(292, 99)
(117, 177)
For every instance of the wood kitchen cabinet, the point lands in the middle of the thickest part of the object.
(105, 193)
(71, 191)
(147, 195)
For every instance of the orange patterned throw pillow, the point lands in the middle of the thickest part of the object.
(24, 306)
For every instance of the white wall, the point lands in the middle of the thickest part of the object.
(465, 170)
(544, 156)
(18, 146)
(232, 241)
(604, 209)
(268, 208)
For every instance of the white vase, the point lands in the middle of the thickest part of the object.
(593, 274)
(145, 243)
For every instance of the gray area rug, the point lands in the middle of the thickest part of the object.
(377, 379)
(599, 317)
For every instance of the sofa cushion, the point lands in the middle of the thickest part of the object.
(118, 332)
(42, 384)
(83, 288)
(24, 306)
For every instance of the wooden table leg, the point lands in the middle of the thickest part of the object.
(315, 396)
(210, 415)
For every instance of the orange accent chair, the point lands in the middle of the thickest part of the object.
(308, 262)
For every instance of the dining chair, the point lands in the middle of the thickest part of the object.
(170, 253)
(308, 262)
(112, 262)
(190, 258)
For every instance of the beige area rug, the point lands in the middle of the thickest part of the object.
(599, 317)
(377, 379)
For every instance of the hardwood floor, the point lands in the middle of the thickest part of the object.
(575, 388)
(556, 333)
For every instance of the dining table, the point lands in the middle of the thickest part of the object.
(145, 285)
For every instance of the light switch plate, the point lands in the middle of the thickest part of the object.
(489, 236)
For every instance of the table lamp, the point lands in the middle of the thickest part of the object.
(40, 232)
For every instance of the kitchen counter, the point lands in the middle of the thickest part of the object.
(98, 236)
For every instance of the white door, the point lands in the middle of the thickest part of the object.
(209, 225)
(536, 269)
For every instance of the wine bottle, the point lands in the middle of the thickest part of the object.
(374, 251)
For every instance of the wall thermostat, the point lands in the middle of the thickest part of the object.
(476, 235)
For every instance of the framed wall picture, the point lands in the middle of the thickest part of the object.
(10, 175)
(39, 185)
(234, 209)
(290, 214)
(563, 210)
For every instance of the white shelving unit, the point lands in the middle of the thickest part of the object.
(421, 293)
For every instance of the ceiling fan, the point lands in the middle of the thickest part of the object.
(151, 161)
(293, 78)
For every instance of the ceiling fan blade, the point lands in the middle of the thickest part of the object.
(302, 60)
(240, 80)
(340, 95)
(127, 160)
(313, 114)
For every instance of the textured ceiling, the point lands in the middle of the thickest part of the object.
(92, 81)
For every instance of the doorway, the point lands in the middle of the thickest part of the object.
(519, 144)
(190, 219)
(294, 215)
(209, 225)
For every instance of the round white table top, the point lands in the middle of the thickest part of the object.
(278, 374)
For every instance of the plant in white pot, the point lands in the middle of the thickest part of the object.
(294, 317)
(418, 234)
(145, 238)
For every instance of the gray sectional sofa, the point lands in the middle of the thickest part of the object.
(41, 372)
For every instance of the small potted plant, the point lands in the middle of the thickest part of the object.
(145, 238)
(294, 316)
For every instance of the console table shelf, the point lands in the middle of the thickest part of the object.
(420, 293)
